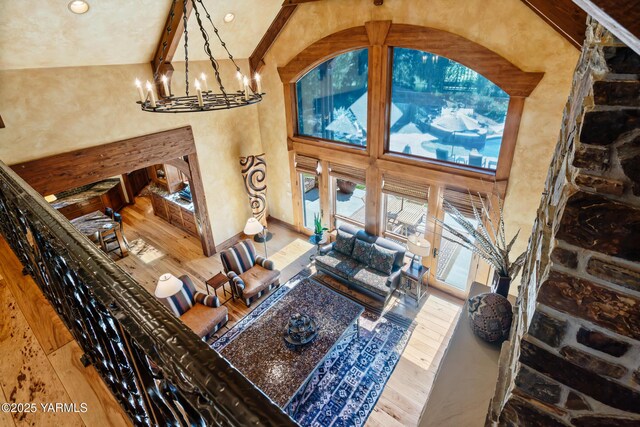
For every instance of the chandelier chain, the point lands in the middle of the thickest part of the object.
(207, 49)
(186, 50)
(215, 30)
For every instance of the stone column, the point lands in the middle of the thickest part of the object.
(574, 353)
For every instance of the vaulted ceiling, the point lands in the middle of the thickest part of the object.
(43, 33)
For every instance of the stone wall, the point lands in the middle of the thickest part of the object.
(574, 353)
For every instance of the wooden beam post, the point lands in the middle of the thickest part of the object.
(170, 37)
(256, 59)
(200, 205)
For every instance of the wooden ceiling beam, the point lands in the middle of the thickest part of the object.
(286, 11)
(622, 18)
(170, 39)
(295, 2)
(564, 16)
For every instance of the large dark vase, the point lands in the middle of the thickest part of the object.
(490, 316)
(346, 187)
(500, 284)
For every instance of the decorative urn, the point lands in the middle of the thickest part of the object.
(301, 329)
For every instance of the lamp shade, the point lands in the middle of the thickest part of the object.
(253, 227)
(419, 246)
(168, 285)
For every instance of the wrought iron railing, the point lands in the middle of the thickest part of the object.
(158, 370)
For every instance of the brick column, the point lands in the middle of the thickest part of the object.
(574, 353)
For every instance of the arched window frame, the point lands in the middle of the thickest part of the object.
(380, 37)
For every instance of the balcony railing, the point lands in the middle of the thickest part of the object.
(158, 370)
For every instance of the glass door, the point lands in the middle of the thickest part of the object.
(453, 267)
(310, 188)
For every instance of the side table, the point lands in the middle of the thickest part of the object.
(414, 281)
(318, 242)
(218, 281)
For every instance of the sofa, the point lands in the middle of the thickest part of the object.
(201, 313)
(364, 262)
(250, 275)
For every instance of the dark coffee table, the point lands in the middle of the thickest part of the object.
(260, 351)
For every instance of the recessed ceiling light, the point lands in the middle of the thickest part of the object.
(229, 17)
(78, 7)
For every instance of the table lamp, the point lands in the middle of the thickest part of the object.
(418, 246)
(168, 285)
(254, 227)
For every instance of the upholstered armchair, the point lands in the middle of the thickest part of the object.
(250, 275)
(202, 313)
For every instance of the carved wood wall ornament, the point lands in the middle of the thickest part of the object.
(254, 173)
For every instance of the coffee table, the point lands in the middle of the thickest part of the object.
(281, 372)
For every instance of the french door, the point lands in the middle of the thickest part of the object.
(453, 268)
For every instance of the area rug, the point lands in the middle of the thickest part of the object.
(144, 250)
(344, 389)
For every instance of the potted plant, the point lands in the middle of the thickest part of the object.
(488, 241)
(318, 229)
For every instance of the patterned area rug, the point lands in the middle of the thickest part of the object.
(345, 388)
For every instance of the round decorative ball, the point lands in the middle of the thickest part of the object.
(490, 315)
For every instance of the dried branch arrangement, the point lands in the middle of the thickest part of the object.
(487, 240)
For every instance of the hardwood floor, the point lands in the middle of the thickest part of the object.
(400, 404)
(40, 361)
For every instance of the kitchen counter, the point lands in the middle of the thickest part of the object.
(90, 198)
(87, 192)
(174, 209)
(174, 198)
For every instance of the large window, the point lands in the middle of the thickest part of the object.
(332, 99)
(443, 110)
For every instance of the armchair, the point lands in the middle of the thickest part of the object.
(250, 275)
(202, 313)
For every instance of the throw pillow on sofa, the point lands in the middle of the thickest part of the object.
(344, 242)
(362, 251)
(381, 259)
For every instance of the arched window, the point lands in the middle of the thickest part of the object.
(442, 110)
(332, 99)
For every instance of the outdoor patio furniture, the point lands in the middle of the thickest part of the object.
(476, 159)
(442, 154)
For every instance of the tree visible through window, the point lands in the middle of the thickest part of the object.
(442, 110)
(332, 99)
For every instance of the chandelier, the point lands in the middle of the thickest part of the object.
(204, 99)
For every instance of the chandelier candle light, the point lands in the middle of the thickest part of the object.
(204, 99)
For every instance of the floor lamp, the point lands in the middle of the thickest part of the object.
(252, 228)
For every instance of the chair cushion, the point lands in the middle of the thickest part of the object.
(239, 258)
(203, 320)
(338, 263)
(362, 251)
(257, 279)
(344, 242)
(373, 280)
(208, 300)
(381, 259)
(183, 300)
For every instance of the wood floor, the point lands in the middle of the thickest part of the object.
(33, 325)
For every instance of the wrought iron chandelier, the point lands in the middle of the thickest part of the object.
(204, 99)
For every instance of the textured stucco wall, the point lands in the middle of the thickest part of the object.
(507, 27)
(50, 111)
